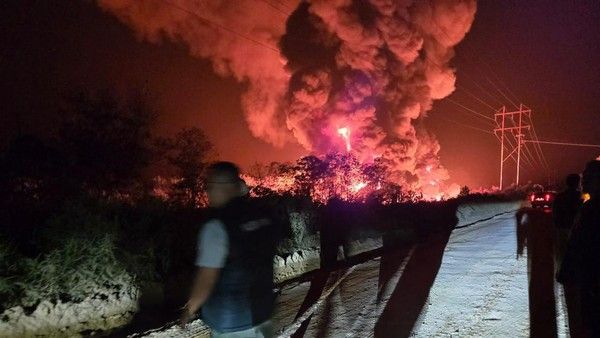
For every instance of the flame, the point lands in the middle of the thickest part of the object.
(357, 186)
(345, 133)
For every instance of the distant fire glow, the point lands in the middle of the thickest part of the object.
(345, 133)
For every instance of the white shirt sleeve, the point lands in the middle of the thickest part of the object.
(213, 245)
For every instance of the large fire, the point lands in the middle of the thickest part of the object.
(367, 71)
(343, 176)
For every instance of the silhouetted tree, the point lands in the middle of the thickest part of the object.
(374, 172)
(189, 152)
(31, 167)
(340, 170)
(107, 140)
(32, 184)
(307, 171)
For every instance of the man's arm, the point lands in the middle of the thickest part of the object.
(213, 246)
(204, 282)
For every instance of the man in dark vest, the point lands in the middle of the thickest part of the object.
(236, 246)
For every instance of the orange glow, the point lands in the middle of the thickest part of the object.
(586, 197)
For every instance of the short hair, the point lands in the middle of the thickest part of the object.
(224, 169)
(573, 180)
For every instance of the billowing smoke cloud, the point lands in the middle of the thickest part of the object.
(372, 67)
(380, 65)
(239, 37)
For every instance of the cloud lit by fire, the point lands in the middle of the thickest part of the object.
(336, 75)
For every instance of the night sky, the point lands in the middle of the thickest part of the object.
(544, 54)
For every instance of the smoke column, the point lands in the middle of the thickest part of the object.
(369, 68)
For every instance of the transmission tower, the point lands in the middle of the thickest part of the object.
(511, 124)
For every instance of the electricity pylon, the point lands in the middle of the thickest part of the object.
(511, 123)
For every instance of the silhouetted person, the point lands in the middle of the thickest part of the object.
(234, 281)
(333, 232)
(580, 271)
(564, 210)
(522, 220)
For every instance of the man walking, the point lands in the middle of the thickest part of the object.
(234, 281)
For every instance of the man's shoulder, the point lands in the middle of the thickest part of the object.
(213, 227)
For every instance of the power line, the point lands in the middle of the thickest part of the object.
(500, 80)
(525, 158)
(470, 110)
(512, 155)
(219, 26)
(526, 154)
(483, 90)
(283, 4)
(465, 125)
(516, 127)
(541, 156)
(475, 97)
(539, 148)
(498, 89)
(530, 155)
(461, 105)
(564, 143)
(449, 99)
(469, 47)
(275, 7)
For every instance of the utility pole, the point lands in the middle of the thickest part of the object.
(501, 145)
(512, 128)
(519, 136)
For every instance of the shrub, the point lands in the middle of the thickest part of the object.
(79, 269)
(9, 272)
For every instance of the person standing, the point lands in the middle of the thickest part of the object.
(236, 247)
(565, 208)
(580, 271)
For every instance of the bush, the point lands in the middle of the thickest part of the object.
(140, 232)
(9, 272)
(73, 272)
(78, 270)
(88, 245)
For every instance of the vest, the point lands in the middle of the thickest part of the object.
(243, 296)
